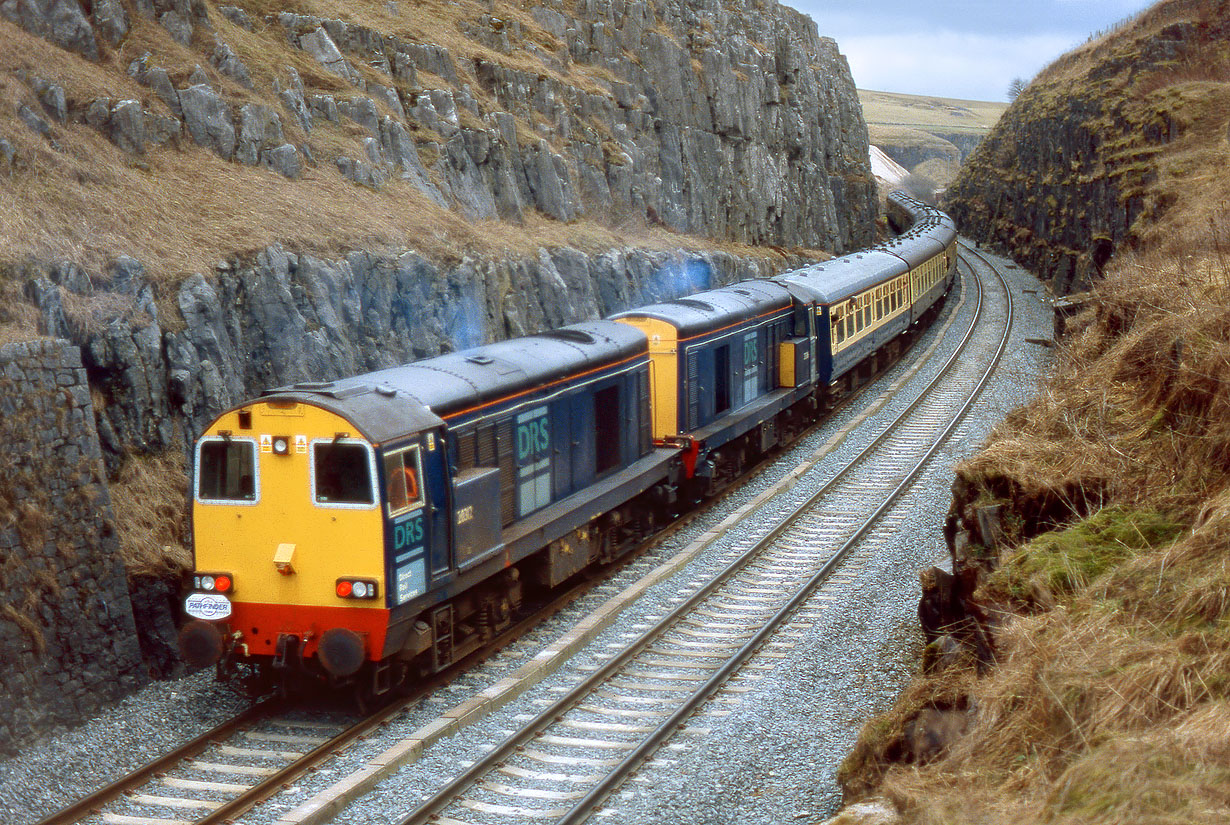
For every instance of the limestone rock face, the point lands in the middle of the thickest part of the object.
(60, 21)
(281, 317)
(1064, 177)
(208, 119)
(67, 629)
(733, 121)
(111, 20)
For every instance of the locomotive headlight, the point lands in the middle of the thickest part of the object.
(359, 590)
(281, 445)
(207, 583)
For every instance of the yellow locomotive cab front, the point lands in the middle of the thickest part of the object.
(287, 518)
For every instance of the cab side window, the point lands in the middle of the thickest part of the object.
(403, 477)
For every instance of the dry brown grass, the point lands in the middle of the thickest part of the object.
(1110, 699)
(182, 209)
(1105, 703)
(1138, 408)
(1109, 708)
(152, 515)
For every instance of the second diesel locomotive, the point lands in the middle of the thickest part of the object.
(373, 529)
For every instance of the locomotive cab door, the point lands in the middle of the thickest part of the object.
(417, 508)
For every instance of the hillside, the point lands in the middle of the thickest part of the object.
(929, 136)
(1079, 657)
(180, 132)
(1118, 144)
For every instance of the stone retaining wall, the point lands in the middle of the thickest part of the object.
(68, 641)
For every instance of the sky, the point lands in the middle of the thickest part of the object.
(958, 48)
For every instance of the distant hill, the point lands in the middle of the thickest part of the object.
(933, 114)
(929, 136)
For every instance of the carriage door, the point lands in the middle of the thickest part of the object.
(721, 379)
(751, 367)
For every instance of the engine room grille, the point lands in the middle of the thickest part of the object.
(508, 472)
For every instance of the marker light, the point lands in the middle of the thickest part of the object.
(213, 582)
(357, 589)
(281, 445)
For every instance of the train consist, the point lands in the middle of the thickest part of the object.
(372, 530)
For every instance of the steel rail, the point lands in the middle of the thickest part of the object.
(92, 803)
(510, 745)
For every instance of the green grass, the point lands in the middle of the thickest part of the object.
(1065, 561)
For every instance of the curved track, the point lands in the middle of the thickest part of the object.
(699, 646)
(563, 763)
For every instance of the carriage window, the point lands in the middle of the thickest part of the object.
(341, 473)
(226, 470)
(402, 473)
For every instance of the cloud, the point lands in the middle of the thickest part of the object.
(948, 63)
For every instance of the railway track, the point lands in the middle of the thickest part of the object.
(563, 763)
(222, 772)
(216, 777)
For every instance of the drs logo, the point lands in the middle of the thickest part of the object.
(750, 354)
(533, 438)
(408, 534)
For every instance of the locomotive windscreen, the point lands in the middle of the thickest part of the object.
(227, 470)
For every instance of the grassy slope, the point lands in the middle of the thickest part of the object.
(924, 112)
(926, 125)
(1110, 699)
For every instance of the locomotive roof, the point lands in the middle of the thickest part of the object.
(840, 278)
(716, 308)
(401, 400)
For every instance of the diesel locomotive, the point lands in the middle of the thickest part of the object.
(374, 529)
